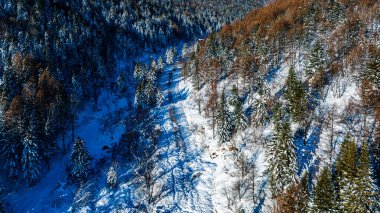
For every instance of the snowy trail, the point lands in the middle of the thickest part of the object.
(190, 175)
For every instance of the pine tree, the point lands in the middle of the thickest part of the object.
(373, 68)
(195, 77)
(239, 120)
(80, 161)
(213, 46)
(152, 74)
(184, 50)
(112, 177)
(282, 156)
(335, 11)
(9, 82)
(316, 62)
(223, 120)
(310, 22)
(160, 96)
(304, 194)
(347, 175)
(169, 56)
(372, 71)
(260, 114)
(11, 147)
(160, 64)
(30, 159)
(150, 92)
(324, 198)
(139, 94)
(296, 96)
(139, 71)
(365, 191)
(153, 67)
(234, 99)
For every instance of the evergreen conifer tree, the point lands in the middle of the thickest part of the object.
(80, 161)
(347, 175)
(160, 96)
(184, 50)
(260, 114)
(282, 155)
(372, 71)
(112, 177)
(234, 99)
(139, 94)
(316, 62)
(150, 92)
(169, 56)
(30, 159)
(324, 198)
(335, 11)
(160, 64)
(139, 71)
(196, 78)
(153, 67)
(223, 120)
(296, 96)
(304, 193)
(365, 191)
(239, 120)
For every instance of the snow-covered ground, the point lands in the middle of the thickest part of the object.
(198, 172)
(98, 127)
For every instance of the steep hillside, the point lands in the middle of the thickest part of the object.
(300, 80)
(57, 55)
(58, 59)
(190, 106)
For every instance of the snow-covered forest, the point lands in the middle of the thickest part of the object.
(190, 106)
